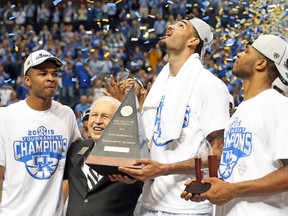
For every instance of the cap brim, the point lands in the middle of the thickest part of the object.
(280, 85)
(283, 72)
(56, 60)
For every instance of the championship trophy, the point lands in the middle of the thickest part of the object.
(206, 164)
(122, 142)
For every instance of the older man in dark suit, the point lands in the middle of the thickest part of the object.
(89, 192)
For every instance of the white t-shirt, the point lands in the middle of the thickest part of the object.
(255, 141)
(4, 96)
(207, 111)
(33, 148)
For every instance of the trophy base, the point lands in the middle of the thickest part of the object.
(109, 165)
(197, 187)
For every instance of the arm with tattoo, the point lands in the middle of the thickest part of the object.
(216, 139)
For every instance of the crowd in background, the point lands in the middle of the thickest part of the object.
(99, 38)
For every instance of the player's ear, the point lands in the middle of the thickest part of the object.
(193, 42)
(27, 81)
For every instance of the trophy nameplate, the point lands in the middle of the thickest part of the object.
(122, 142)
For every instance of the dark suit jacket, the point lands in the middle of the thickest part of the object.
(106, 198)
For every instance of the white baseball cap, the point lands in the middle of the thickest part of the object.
(38, 57)
(279, 84)
(205, 33)
(276, 49)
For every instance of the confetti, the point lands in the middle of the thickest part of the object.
(85, 49)
(146, 35)
(106, 54)
(56, 2)
(134, 64)
(7, 81)
(93, 78)
(87, 59)
(229, 42)
(137, 14)
(111, 4)
(206, 3)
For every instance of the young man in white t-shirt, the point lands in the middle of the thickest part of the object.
(185, 105)
(254, 162)
(35, 136)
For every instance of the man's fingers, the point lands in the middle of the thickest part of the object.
(104, 92)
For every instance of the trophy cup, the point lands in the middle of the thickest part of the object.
(205, 163)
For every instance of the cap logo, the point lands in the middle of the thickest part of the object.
(205, 39)
(42, 55)
(276, 55)
(28, 63)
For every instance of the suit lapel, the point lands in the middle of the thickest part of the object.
(77, 161)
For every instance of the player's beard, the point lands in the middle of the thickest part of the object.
(162, 45)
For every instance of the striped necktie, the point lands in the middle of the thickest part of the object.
(92, 176)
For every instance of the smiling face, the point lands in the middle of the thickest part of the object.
(100, 116)
(42, 80)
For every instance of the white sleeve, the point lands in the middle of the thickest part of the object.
(2, 153)
(215, 112)
(279, 136)
(2, 144)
